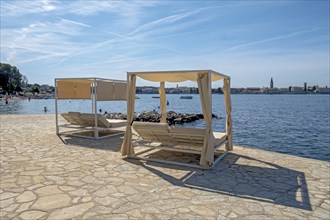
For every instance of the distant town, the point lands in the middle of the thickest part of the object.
(305, 89)
(36, 91)
(15, 85)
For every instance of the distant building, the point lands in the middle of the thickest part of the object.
(273, 91)
(271, 83)
(194, 90)
(236, 90)
(253, 90)
(323, 90)
(149, 90)
(185, 90)
(176, 90)
(305, 86)
(284, 90)
(297, 90)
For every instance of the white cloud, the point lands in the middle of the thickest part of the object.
(21, 8)
(47, 5)
(280, 37)
(43, 40)
(75, 22)
(165, 21)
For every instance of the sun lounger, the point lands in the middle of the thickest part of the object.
(194, 136)
(186, 140)
(73, 118)
(154, 132)
(89, 120)
(86, 121)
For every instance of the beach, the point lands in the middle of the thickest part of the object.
(44, 176)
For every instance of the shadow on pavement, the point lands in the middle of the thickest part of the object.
(259, 180)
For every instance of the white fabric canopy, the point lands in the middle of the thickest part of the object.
(82, 88)
(73, 90)
(177, 76)
(204, 86)
(204, 79)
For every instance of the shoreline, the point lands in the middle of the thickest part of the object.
(51, 95)
(240, 146)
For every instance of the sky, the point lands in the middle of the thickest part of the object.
(250, 41)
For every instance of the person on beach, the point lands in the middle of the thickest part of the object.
(6, 98)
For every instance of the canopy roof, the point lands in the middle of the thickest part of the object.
(178, 75)
(83, 88)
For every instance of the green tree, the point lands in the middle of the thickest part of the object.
(35, 88)
(10, 78)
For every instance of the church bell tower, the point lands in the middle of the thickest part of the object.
(271, 83)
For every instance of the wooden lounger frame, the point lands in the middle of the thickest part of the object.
(86, 122)
(184, 140)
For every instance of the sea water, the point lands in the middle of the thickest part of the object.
(291, 124)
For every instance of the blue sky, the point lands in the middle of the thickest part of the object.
(251, 41)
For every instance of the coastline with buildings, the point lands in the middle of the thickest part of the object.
(191, 90)
(48, 91)
(289, 90)
(248, 90)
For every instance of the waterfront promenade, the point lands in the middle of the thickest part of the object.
(45, 177)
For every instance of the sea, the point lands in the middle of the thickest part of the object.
(291, 124)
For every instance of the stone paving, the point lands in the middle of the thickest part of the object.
(45, 177)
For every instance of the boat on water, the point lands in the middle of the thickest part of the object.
(155, 97)
(186, 97)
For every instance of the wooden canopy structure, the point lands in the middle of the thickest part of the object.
(94, 89)
(204, 79)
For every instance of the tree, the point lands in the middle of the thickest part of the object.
(35, 88)
(24, 81)
(10, 78)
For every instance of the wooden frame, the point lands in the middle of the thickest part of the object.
(193, 145)
(204, 79)
(93, 97)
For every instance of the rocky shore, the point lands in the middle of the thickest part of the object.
(153, 116)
